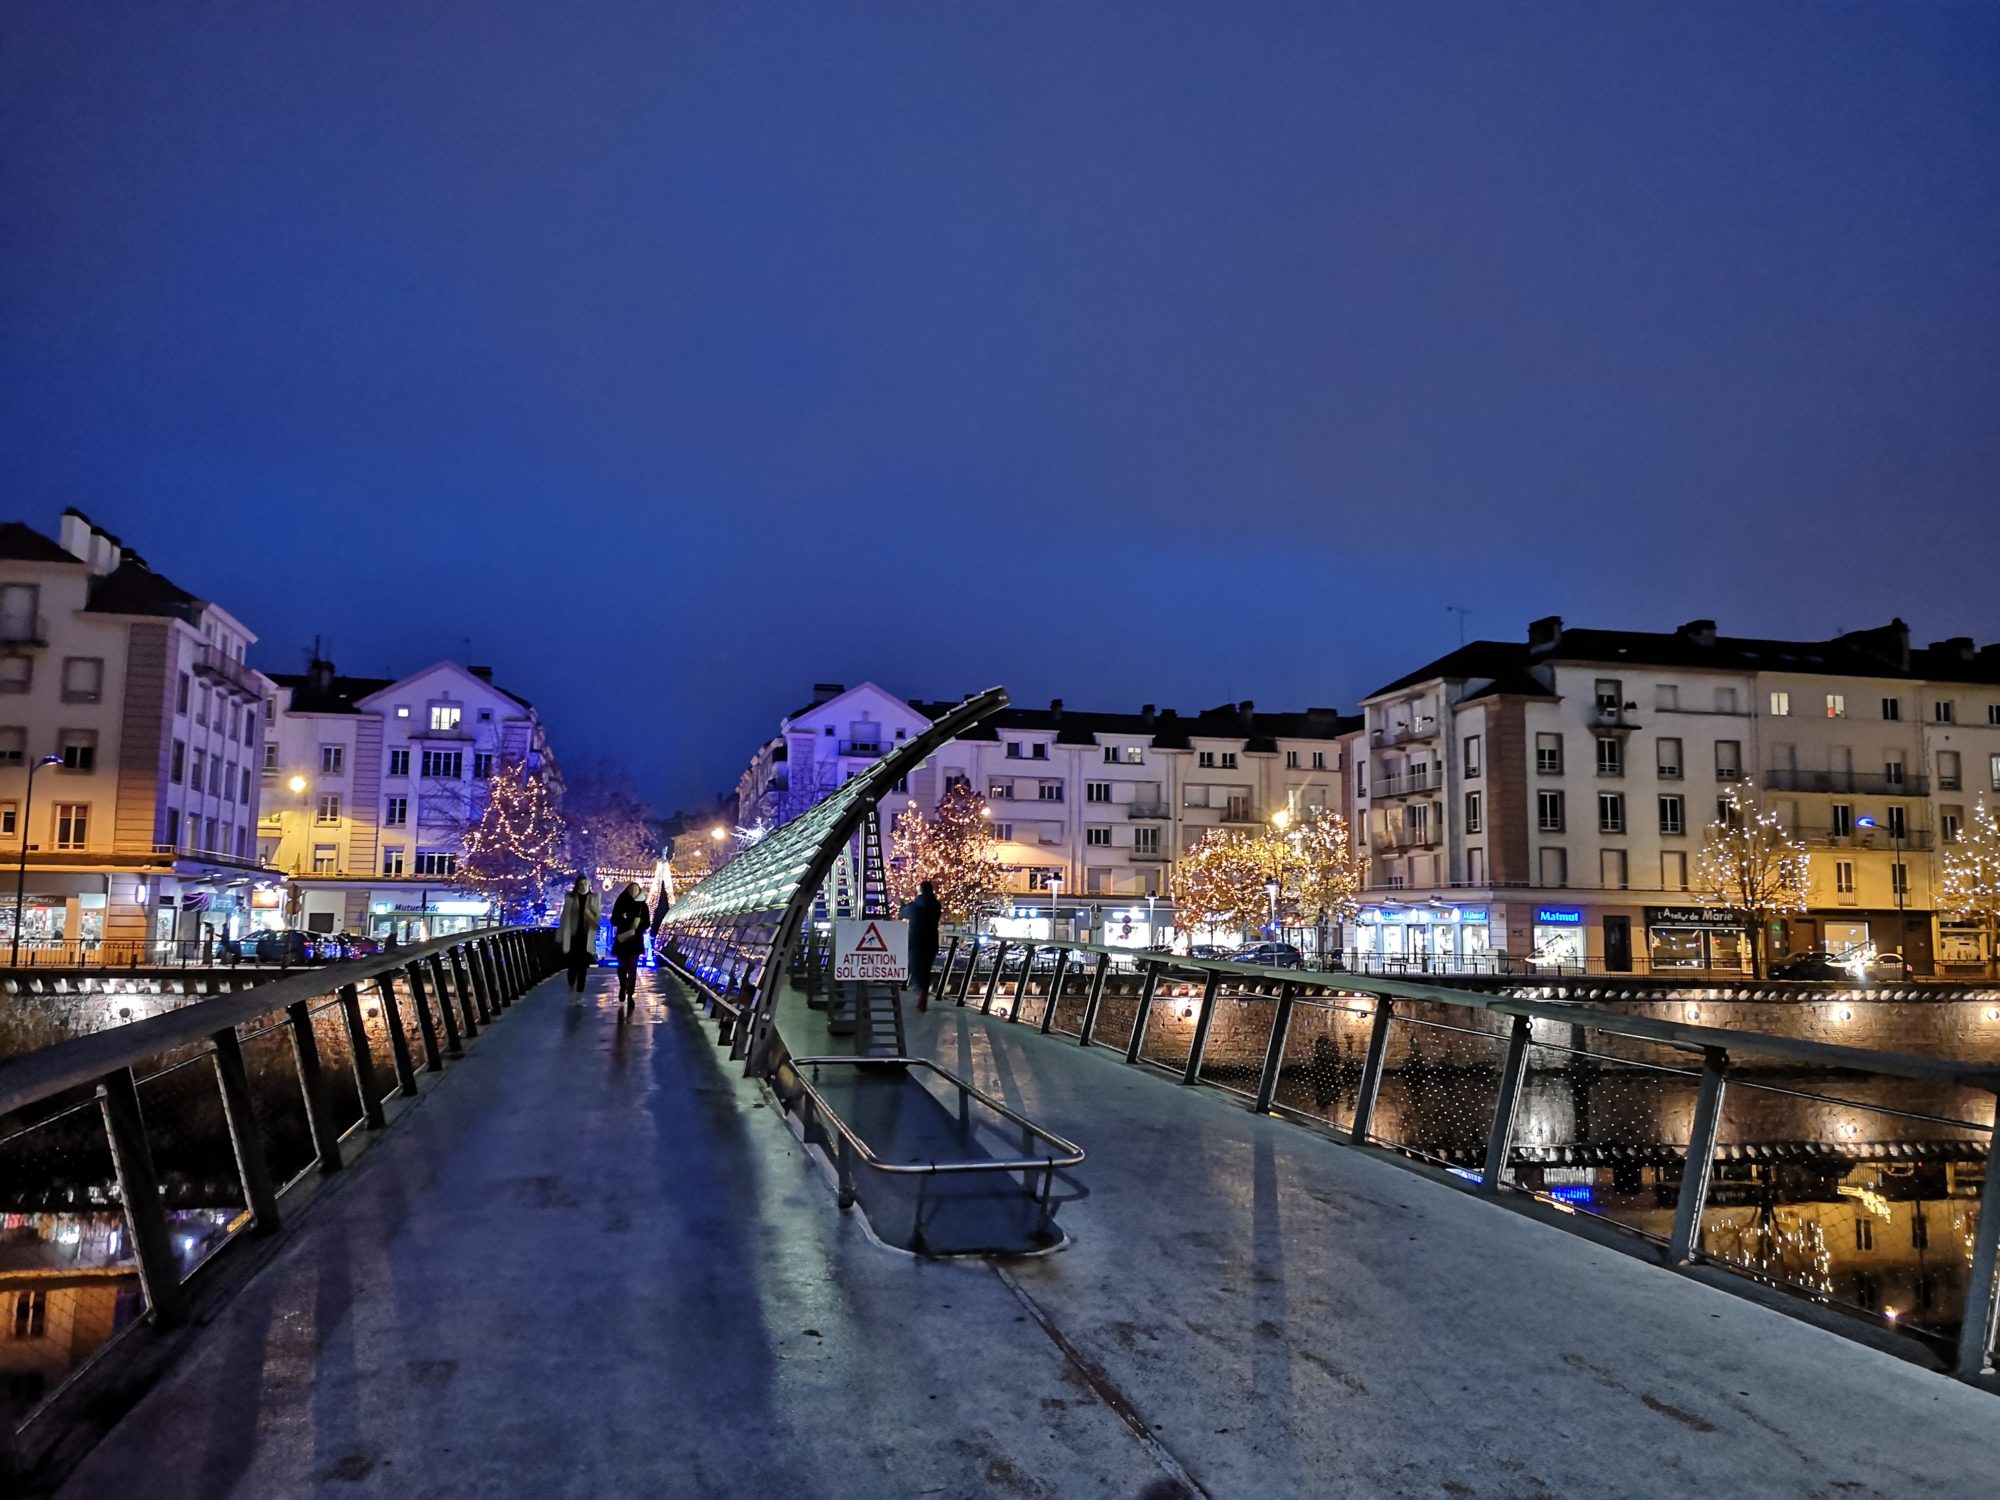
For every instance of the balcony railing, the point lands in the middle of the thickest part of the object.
(24, 630)
(1404, 838)
(1873, 783)
(861, 749)
(1148, 809)
(1866, 838)
(1403, 786)
(217, 665)
(1423, 727)
(1240, 813)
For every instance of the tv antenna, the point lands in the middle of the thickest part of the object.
(1461, 611)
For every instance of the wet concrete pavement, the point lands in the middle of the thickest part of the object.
(594, 1261)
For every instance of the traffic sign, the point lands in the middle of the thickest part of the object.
(871, 948)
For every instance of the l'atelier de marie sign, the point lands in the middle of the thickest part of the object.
(871, 948)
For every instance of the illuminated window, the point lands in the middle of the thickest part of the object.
(1836, 705)
(445, 717)
(1781, 704)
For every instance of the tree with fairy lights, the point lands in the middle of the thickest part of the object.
(1971, 884)
(1753, 869)
(517, 848)
(953, 850)
(1319, 871)
(1219, 883)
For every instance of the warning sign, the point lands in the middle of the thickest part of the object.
(871, 948)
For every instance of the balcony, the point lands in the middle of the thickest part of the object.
(1403, 786)
(1423, 727)
(1878, 839)
(1870, 783)
(861, 749)
(1238, 812)
(213, 664)
(1396, 840)
(1149, 809)
(1148, 856)
(24, 630)
(1621, 718)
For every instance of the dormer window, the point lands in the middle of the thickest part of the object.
(445, 717)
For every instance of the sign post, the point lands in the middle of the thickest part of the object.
(871, 949)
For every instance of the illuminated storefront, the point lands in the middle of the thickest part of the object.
(1558, 938)
(1692, 937)
(1429, 937)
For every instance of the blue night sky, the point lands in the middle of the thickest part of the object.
(678, 356)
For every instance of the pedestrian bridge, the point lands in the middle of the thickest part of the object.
(554, 1249)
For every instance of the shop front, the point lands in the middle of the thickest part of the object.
(1557, 939)
(1429, 937)
(1693, 937)
(419, 921)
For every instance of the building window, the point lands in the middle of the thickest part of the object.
(482, 765)
(1892, 708)
(1610, 695)
(1236, 808)
(1944, 711)
(1549, 811)
(1949, 821)
(1673, 871)
(1947, 770)
(1097, 791)
(1475, 866)
(1097, 838)
(17, 674)
(1725, 700)
(392, 859)
(201, 705)
(1836, 705)
(1555, 868)
(271, 757)
(1892, 771)
(1472, 812)
(437, 864)
(1038, 751)
(396, 812)
(1667, 696)
(243, 791)
(1899, 881)
(1993, 713)
(1111, 755)
(1291, 760)
(332, 760)
(1728, 760)
(1049, 791)
(173, 828)
(1611, 869)
(1864, 1232)
(1319, 760)
(181, 692)
(399, 762)
(1229, 760)
(1898, 828)
(1781, 704)
(1843, 877)
(1673, 815)
(444, 765)
(177, 763)
(1361, 776)
(1993, 771)
(323, 859)
(82, 679)
(1610, 757)
(72, 825)
(1841, 820)
(1134, 755)
(1004, 832)
(13, 746)
(1668, 759)
(445, 717)
(1549, 754)
(329, 808)
(1013, 749)
(215, 776)
(200, 776)
(1472, 755)
(1146, 841)
(1610, 812)
(31, 1313)
(1000, 791)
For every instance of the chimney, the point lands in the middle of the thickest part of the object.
(90, 543)
(1546, 633)
(1146, 715)
(484, 674)
(1246, 713)
(1055, 709)
(1959, 648)
(826, 692)
(1701, 632)
(320, 674)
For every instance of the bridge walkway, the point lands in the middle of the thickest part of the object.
(593, 1262)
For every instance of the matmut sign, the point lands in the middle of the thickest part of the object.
(871, 949)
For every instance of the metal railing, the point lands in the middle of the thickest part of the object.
(141, 1154)
(1663, 1129)
(215, 663)
(148, 953)
(1874, 783)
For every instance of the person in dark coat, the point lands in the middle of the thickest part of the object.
(630, 919)
(924, 913)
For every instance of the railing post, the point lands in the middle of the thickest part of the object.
(1274, 1050)
(944, 974)
(399, 1042)
(312, 1083)
(1021, 989)
(139, 1189)
(1199, 1041)
(453, 1047)
(503, 961)
(1063, 957)
(468, 1023)
(489, 1004)
(495, 985)
(364, 1061)
(1094, 999)
(1146, 992)
(468, 993)
(481, 955)
(1371, 1071)
(1977, 1330)
(260, 1195)
(971, 963)
(993, 984)
(517, 967)
(1506, 1106)
(1700, 1163)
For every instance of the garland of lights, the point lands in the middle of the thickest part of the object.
(953, 850)
(1751, 867)
(1225, 879)
(1970, 887)
(1220, 881)
(517, 849)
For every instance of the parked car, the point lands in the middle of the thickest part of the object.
(354, 946)
(1884, 968)
(1210, 950)
(1270, 955)
(1812, 966)
(287, 946)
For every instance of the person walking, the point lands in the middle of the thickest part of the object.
(578, 932)
(925, 913)
(630, 918)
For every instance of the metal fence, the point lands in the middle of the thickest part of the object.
(1859, 1179)
(131, 1159)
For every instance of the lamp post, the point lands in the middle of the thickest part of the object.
(1055, 891)
(1899, 877)
(21, 870)
(1271, 901)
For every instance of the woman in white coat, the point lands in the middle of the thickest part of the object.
(578, 934)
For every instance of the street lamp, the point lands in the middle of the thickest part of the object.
(1899, 877)
(1055, 890)
(1271, 898)
(21, 871)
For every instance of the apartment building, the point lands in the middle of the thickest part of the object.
(130, 699)
(1547, 800)
(1090, 809)
(370, 783)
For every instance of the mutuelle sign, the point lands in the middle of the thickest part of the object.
(871, 949)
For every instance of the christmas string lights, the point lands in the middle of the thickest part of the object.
(1751, 867)
(954, 851)
(1970, 887)
(518, 848)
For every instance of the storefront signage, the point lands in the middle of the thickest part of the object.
(1421, 914)
(1559, 916)
(1687, 916)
